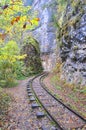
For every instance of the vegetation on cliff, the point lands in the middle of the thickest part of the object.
(71, 38)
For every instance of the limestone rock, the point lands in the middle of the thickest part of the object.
(73, 49)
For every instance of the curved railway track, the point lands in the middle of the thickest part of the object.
(63, 116)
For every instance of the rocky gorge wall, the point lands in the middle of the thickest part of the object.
(69, 36)
(73, 42)
(45, 33)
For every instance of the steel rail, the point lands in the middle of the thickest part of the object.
(42, 76)
(44, 87)
(54, 120)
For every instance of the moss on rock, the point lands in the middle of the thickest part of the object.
(32, 61)
(72, 40)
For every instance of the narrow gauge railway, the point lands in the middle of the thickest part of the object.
(64, 117)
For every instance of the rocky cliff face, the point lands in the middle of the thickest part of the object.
(71, 30)
(45, 33)
(73, 39)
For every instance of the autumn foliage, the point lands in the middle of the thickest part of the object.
(15, 20)
(13, 14)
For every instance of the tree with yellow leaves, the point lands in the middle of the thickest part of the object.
(10, 62)
(15, 19)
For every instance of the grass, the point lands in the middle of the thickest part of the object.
(22, 78)
(72, 96)
(53, 123)
(73, 107)
(13, 84)
(57, 96)
(5, 100)
(83, 90)
(58, 87)
(54, 80)
(9, 84)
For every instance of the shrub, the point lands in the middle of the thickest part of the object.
(4, 102)
(10, 60)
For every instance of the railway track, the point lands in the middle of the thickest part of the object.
(64, 117)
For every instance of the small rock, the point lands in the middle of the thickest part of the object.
(53, 128)
(35, 105)
(32, 99)
(45, 128)
(48, 128)
(30, 94)
(28, 85)
(40, 114)
(30, 91)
